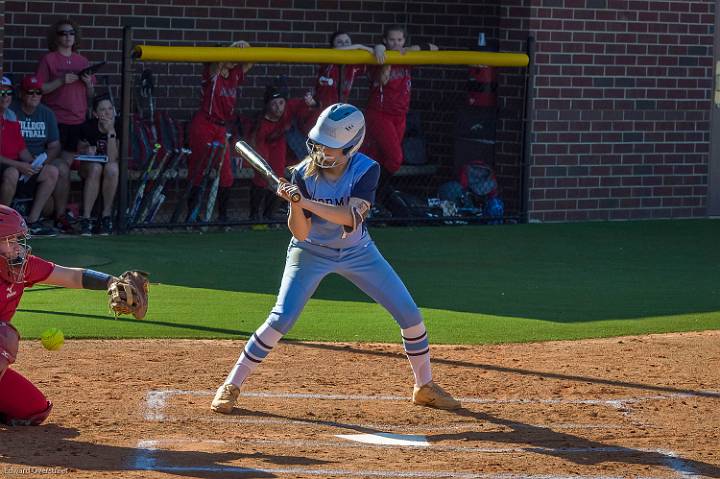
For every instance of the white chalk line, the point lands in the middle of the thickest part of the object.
(157, 400)
(302, 443)
(678, 465)
(146, 460)
(386, 427)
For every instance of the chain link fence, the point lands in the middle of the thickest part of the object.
(451, 172)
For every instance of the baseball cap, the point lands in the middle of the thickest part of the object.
(272, 92)
(6, 81)
(31, 82)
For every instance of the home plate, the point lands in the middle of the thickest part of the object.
(387, 439)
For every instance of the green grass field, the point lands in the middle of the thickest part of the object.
(474, 284)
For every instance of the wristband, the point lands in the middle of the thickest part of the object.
(95, 279)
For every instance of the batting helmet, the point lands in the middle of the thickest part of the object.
(14, 248)
(339, 126)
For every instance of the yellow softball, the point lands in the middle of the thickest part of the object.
(52, 339)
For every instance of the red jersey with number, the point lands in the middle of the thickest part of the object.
(219, 93)
(326, 86)
(37, 270)
(11, 139)
(394, 96)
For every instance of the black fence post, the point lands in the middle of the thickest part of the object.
(527, 131)
(126, 151)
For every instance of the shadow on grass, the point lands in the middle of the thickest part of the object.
(560, 273)
(190, 327)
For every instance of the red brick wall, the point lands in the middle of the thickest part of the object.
(622, 105)
(437, 92)
(2, 31)
(622, 97)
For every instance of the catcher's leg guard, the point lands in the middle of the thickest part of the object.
(21, 403)
(9, 344)
(34, 420)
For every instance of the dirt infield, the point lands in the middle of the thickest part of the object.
(625, 407)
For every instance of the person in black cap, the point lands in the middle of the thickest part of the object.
(268, 139)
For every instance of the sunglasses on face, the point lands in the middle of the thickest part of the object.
(6, 92)
(66, 33)
(33, 92)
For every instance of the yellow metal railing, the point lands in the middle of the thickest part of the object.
(150, 53)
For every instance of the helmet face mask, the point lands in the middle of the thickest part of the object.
(340, 126)
(14, 252)
(14, 247)
(316, 151)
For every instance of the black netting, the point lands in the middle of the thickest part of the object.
(462, 147)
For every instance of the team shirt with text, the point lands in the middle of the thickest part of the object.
(358, 181)
(393, 97)
(38, 129)
(219, 93)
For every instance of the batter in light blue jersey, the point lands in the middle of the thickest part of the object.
(337, 188)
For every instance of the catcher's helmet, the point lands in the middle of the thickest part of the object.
(339, 126)
(14, 248)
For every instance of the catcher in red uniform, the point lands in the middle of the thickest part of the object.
(21, 403)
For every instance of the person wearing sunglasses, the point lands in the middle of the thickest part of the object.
(68, 95)
(16, 161)
(9, 114)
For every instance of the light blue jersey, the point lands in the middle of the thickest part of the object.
(354, 257)
(359, 180)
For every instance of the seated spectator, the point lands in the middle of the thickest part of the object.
(16, 161)
(67, 95)
(268, 139)
(9, 114)
(99, 137)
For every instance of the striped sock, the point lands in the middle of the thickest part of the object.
(257, 348)
(417, 348)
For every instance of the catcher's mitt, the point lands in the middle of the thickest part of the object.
(128, 294)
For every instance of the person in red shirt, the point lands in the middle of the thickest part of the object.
(67, 95)
(220, 82)
(327, 91)
(21, 402)
(16, 163)
(388, 105)
(268, 139)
